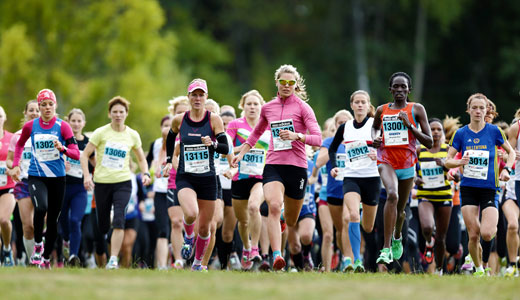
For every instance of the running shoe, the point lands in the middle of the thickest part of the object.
(247, 263)
(358, 266)
(187, 248)
(283, 225)
(265, 266)
(397, 248)
(199, 268)
(511, 272)
(178, 265)
(279, 263)
(8, 259)
(468, 264)
(254, 255)
(308, 264)
(234, 262)
(112, 264)
(45, 264)
(346, 265)
(74, 261)
(487, 270)
(36, 257)
(428, 254)
(438, 272)
(479, 273)
(66, 249)
(385, 257)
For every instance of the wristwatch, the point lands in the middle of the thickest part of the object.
(300, 136)
(509, 170)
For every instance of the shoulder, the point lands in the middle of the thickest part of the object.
(131, 131)
(29, 125)
(417, 106)
(327, 142)
(214, 117)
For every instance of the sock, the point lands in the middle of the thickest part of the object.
(29, 246)
(486, 250)
(40, 244)
(200, 248)
(431, 243)
(8, 248)
(113, 258)
(188, 228)
(354, 234)
(480, 268)
(223, 254)
(297, 260)
(306, 249)
(276, 254)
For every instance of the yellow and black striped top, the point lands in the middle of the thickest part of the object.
(436, 186)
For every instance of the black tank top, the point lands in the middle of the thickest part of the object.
(196, 159)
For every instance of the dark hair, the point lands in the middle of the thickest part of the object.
(403, 74)
(165, 118)
(431, 120)
(118, 100)
(228, 113)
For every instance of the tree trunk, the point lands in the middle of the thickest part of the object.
(359, 46)
(420, 51)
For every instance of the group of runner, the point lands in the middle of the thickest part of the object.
(273, 175)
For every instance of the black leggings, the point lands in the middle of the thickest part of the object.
(43, 189)
(108, 194)
(162, 220)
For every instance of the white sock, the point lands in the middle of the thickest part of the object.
(8, 247)
(481, 268)
(430, 244)
(29, 246)
(113, 258)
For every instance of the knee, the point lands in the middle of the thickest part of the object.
(75, 222)
(392, 196)
(253, 210)
(275, 208)
(5, 221)
(474, 237)
(513, 226)
(227, 236)
(177, 225)
(327, 236)
(488, 235)
(294, 247)
(354, 216)
(306, 238)
(28, 229)
(368, 227)
(427, 230)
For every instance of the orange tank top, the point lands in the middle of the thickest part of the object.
(398, 148)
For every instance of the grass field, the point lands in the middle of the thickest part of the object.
(75, 284)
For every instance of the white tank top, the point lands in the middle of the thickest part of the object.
(356, 140)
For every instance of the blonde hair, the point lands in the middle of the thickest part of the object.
(477, 96)
(326, 126)
(450, 125)
(372, 110)
(254, 93)
(215, 104)
(175, 102)
(76, 111)
(340, 113)
(226, 107)
(118, 100)
(300, 82)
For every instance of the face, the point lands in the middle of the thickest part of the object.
(400, 88)
(32, 111)
(489, 114)
(286, 89)
(341, 119)
(118, 114)
(226, 120)
(437, 131)
(211, 108)
(477, 109)
(166, 125)
(47, 109)
(197, 99)
(181, 108)
(360, 104)
(77, 123)
(252, 107)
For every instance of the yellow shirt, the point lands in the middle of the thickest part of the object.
(113, 153)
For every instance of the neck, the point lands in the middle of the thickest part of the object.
(476, 125)
(197, 113)
(252, 120)
(78, 136)
(359, 118)
(117, 127)
(46, 120)
(436, 143)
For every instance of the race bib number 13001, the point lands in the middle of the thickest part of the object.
(394, 131)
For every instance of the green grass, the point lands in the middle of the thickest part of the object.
(75, 284)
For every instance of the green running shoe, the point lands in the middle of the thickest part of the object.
(397, 248)
(479, 273)
(358, 266)
(385, 257)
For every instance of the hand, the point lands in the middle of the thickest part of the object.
(312, 180)
(87, 182)
(67, 166)
(146, 180)
(206, 140)
(500, 154)
(288, 135)
(465, 159)
(14, 173)
(439, 162)
(228, 174)
(334, 172)
(236, 160)
(166, 169)
(517, 152)
(404, 117)
(372, 154)
(377, 142)
(419, 180)
(504, 175)
(58, 145)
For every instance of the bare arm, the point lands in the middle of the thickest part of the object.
(83, 159)
(376, 128)
(425, 134)
(143, 165)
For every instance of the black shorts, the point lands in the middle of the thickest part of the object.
(132, 223)
(310, 216)
(368, 188)
(293, 178)
(108, 195)
(162, 220)
(171, 196)
(204, 186)
(5, 191)
(264, 209)
(437, 204)
(241, 189)
(219, 189)
(517, 192)
(479, 197)
(334, 201)
(226, 195)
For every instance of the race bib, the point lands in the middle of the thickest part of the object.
(357, 155)
(341, 162)
(75, 167)
(44, 147)
(278, 143)
(221, 163)
(432, 175)
(477, 168)
(394, 131)
(253, 162)
(196, 159)
(3, 173)
(114, 155)
(308, 195)
(324, 176)
(161, 184)
(26, 159)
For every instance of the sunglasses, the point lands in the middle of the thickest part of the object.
(285, 82)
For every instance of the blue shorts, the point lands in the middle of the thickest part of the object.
(21, 190)
(403, 174)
